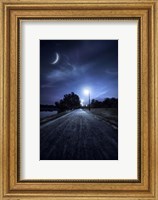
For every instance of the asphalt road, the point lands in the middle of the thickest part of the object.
(79, 135)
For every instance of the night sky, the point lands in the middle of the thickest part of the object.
(75, 65)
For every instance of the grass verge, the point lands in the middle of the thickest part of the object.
(110, 115)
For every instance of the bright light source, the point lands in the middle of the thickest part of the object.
(86, 92)
(82, 102)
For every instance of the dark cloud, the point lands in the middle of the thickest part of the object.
(82, 64)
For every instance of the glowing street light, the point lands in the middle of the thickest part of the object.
(87, 92)
(82, 102)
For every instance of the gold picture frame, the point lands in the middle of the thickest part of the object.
(12, 12)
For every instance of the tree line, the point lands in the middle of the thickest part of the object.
(69, 102)
(106, 103)
(72, 101)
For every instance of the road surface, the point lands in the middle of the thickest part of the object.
(78, 135)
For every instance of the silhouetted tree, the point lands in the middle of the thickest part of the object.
(96, 103)
(69, 102)
(110, 103)
(107, 103)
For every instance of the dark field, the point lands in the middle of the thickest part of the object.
(110, 115)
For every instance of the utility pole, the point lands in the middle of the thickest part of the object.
(89, 102)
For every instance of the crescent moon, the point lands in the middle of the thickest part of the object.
(56, 59)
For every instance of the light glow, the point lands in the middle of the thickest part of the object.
(86, 92)
(82, 102)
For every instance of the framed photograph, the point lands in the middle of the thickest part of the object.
(79, 99)
(89, 97)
